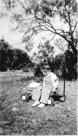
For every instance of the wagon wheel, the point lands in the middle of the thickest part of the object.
(28, 97)
(52, 101)
(63, 98)
(24, 96)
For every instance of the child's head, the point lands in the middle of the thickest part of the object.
(46, 69)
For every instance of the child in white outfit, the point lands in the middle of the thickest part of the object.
(50, 83)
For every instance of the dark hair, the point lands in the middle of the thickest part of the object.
(46, 67)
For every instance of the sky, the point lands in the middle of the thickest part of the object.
(14, 38)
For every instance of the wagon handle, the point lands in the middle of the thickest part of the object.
(64, 85)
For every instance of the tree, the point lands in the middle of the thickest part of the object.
(61, 44)
(45, 53)
(12, 58)
(4, 47)
(37, 16)
(20, 59)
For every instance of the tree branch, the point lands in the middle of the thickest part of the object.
(74, 27)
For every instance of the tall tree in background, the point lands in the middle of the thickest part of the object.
(34, 16)
(4, 60)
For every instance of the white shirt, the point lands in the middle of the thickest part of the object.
(54, 81)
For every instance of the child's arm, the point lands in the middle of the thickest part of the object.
(54, 80)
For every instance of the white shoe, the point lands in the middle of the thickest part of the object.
(23, 97)
(41, 105)
(49, 101)
(36, 103)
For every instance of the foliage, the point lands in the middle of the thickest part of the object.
(4, 60)
(61, 44)
(65, 62)
(17, 59)
(20, 59)
(12, 58)
(45, 53)
(71, 61)
(37, 71)
(63, 65)
(37, 16)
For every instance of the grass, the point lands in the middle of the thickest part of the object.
(17, 117)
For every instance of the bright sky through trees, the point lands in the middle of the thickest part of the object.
(14, 38)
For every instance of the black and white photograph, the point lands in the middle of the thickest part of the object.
(38, 67)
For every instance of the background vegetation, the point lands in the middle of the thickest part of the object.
(16, 59)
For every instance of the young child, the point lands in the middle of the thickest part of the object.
(50, 83)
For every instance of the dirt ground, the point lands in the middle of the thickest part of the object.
(18, 117)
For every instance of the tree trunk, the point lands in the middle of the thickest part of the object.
(71, 44)
(74, 50)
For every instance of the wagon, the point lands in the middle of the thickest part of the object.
(53, 98)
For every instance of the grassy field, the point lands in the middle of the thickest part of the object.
(18, 117)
